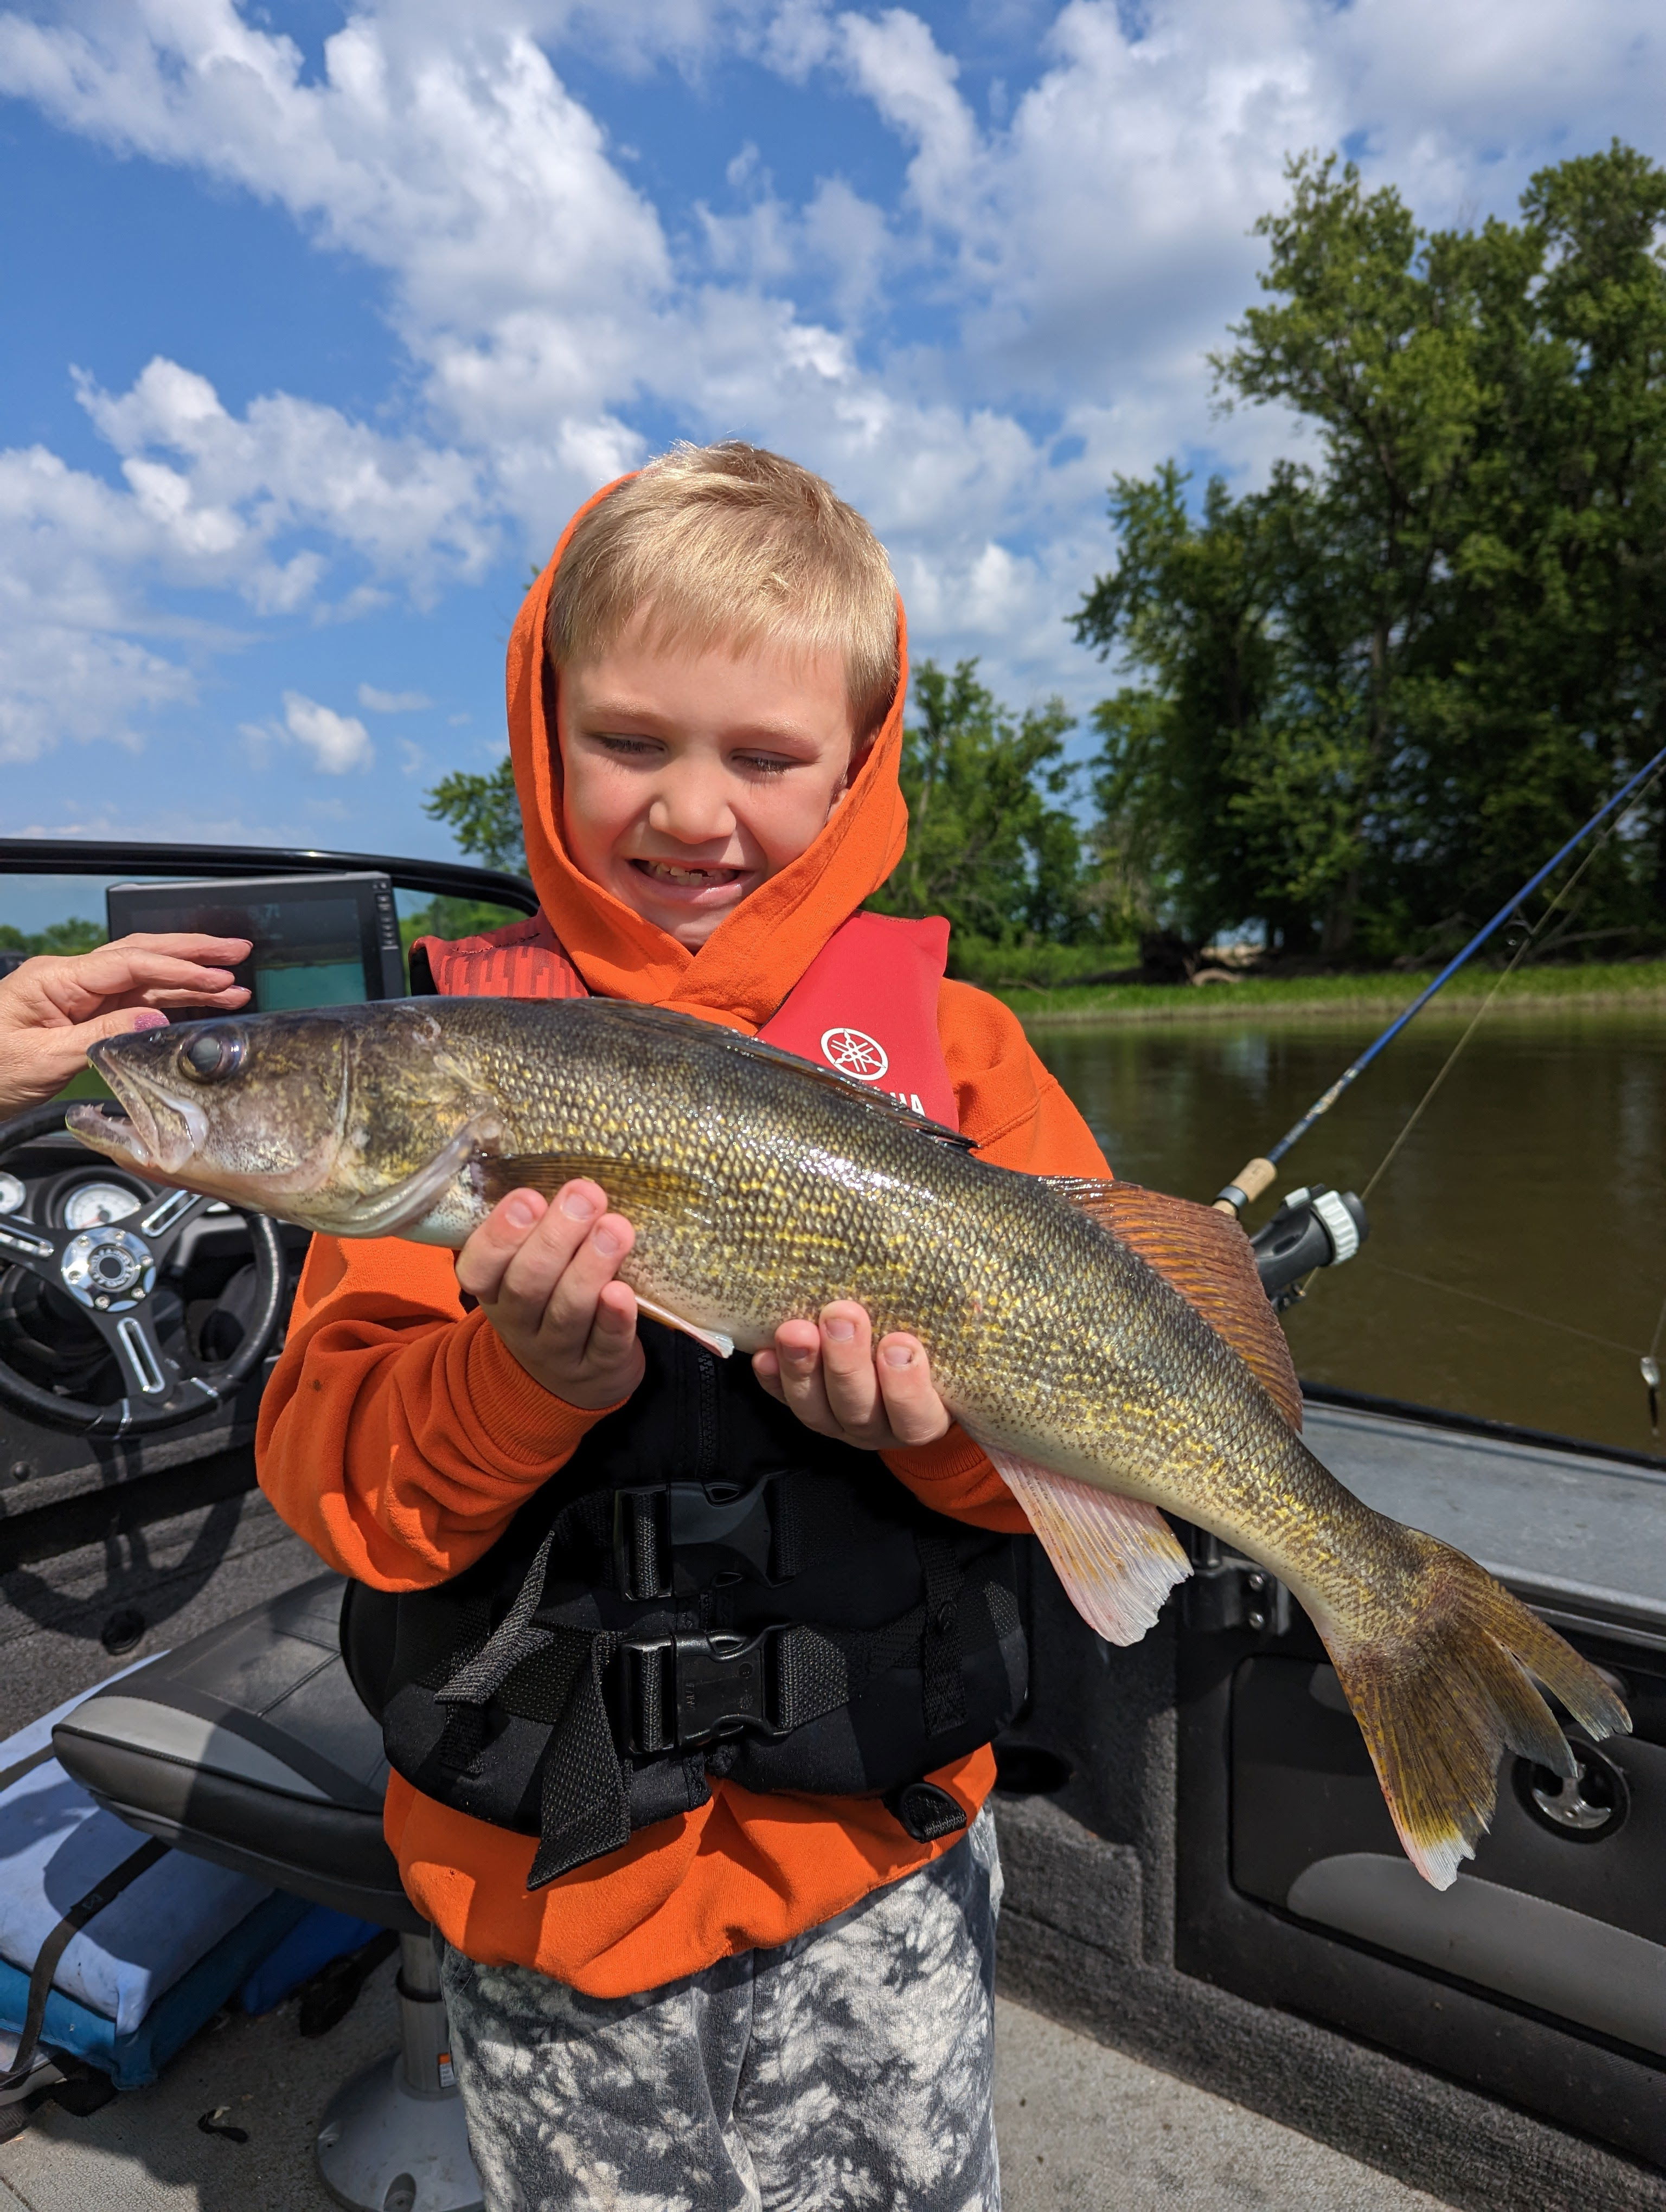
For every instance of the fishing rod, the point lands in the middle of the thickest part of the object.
(1257, 1175)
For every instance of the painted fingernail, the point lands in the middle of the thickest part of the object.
(840, 1329)
(899, 1355)
(607, 1243)
(578, 1206)
(150, 1018)
(520, 1212)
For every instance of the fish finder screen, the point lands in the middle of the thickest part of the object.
(318, 941)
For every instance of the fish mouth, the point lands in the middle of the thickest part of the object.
(149, 1132)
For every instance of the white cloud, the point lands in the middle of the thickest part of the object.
(336, 742)
(73, 659)
(269, 506)
(391, 702)
(1076, 260)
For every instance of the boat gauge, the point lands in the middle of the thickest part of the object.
(92, 1205)
(13, 1196)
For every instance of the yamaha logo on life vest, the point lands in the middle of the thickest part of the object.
(863, 1058)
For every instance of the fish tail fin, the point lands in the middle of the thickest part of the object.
(1442, 1698)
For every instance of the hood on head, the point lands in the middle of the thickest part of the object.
(753, 959)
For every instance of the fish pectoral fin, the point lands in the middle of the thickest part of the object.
(392, 1211)
(630, 1186)
(712, 1338)
(1117, 1557)
(1208, 1259)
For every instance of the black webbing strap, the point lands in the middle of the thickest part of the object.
(22, 1767)
(104, 1892)
(585, 1808)
(812, 1677)
(943, 1684)
(514, 1638)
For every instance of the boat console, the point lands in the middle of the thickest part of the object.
(1200, 1870)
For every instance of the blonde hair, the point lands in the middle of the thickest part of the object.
(730, 546)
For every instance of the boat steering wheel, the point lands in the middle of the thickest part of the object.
(94, 1280)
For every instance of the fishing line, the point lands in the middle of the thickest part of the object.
(1533, 931)
(1637, 789)
(1259, 1174)
(1479, 1299)
(1651, 1367)
(1446, 1067)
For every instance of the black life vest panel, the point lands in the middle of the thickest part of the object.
(707, 1590)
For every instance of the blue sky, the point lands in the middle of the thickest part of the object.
(317, 324)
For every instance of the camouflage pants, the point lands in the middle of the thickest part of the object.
(851, 2068)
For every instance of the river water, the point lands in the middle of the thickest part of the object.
(1517, 1263)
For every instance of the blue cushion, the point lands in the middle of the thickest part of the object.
(56, 1844)
(134, 2059)
(313, 1942)
(158, 1962)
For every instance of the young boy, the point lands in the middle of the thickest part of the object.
(707, 1944)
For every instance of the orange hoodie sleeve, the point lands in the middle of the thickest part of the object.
(398, 1435)
(1019, 1117)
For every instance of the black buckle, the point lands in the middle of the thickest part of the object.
(651, 1525)
(678, 1691)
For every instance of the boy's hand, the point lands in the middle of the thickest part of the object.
(841, 1384)
(544, 1275)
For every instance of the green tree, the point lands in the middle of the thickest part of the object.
(484, 814)
(1370, 690)
(76, 934)
(989, 846)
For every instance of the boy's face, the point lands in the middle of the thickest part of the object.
(690, 778)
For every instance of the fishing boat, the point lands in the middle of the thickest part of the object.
(1223, 1982)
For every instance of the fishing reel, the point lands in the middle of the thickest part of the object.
(1316, 1227)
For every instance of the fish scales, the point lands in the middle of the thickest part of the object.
(761, 1189)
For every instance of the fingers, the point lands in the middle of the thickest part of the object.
(124, 1021)
(183, 944)
(545, 1276)
(914, 1411)
(840, 1384)
(791, 1373)
(80, 985)
(847, 1366)
(525, 1247)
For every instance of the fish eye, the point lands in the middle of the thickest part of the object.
(211, 1054)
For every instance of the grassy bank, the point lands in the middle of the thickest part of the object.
(1639, 983)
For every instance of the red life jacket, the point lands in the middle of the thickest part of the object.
(867, 1004)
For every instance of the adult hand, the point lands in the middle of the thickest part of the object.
(51, 1008)
(842, 1384)
(544, 1276)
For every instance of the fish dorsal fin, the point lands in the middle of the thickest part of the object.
(1117, 1557)
(1208, 1259)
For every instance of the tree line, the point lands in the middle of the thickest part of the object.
(1359, 703)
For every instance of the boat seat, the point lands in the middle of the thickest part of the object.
(249, 1745)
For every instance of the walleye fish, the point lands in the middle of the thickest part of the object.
(1111, 1349)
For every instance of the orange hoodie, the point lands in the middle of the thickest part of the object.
(399, 1437)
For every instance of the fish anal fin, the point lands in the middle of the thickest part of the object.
(1209, 1260)
(713, 1340)
(1117, 1557)
(630, 1184)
